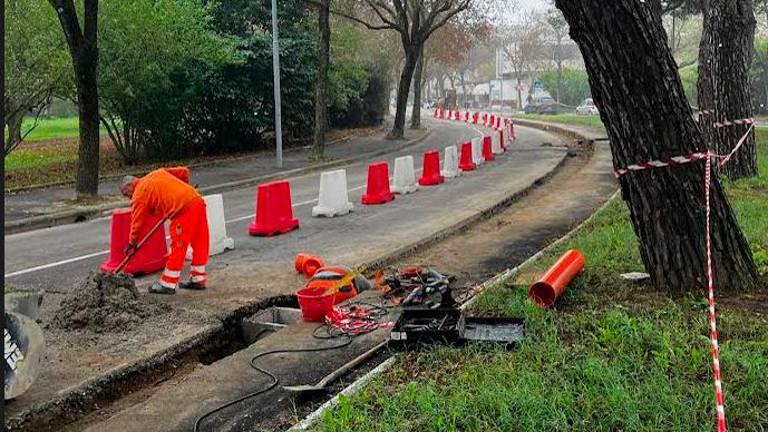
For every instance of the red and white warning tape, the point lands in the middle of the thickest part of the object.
(672, 161)
(708, 156)
(747, 121)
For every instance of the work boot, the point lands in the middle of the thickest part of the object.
(158, 288)
(197, 286)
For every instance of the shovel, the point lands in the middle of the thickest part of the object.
(139, 245)
(321, 385)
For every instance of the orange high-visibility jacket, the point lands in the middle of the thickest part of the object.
(163, 192)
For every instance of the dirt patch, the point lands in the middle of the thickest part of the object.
(105, 303)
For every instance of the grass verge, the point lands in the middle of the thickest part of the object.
(612, 356)
(572, 119)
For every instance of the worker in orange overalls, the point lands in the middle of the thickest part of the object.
(166, 192)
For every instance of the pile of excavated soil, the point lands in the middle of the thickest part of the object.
(105, 303)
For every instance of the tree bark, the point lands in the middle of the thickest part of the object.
(725, 56)
(403, 87)
(636, 87)
(416, 113)
(85, 57)
(323, 54)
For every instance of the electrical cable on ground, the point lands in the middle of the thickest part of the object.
(332, 333)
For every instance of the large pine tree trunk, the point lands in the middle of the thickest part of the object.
(417, 76)
(323, 53)
(635, 84)
(725, 56)
(411, 57)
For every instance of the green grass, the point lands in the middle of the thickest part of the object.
(53, 128)
(36, 158)
(572, 119)
(610, 357)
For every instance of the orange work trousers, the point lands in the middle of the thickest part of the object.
(188, 228)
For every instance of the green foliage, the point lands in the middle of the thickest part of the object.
(758, 75)
(358, 84)
(574, 85)
(37, 64)
(154, 56)
(690, 77)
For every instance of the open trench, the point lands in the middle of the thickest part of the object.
(473, 255)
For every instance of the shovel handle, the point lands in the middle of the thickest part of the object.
(140, 244)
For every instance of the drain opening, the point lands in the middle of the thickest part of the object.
(275, 314)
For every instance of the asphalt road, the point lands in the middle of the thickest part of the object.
(57, 258)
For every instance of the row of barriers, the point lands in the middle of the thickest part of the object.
(274, 209)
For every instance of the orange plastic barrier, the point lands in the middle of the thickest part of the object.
(555, 281)
(150, 258)
(487, 149)
(431, 169)
(466, 163)
(377, 190)
(274, 211)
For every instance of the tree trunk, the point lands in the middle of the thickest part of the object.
(403, 87)
(323, 53)
(636, 87)
(464, 89)
(85, 57)
(725, 56)
(519, 93)
(416, 113)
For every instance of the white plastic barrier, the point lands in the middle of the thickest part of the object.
(496, 143)
(477, 151)
(217, 228)
(334, 198)
(451, 163)
(405, 177)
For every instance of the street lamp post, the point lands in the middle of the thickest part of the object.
(276, 83)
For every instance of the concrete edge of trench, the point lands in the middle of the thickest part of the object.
(89, 212)
(74, 402)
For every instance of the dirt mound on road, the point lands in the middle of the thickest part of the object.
(105, 303)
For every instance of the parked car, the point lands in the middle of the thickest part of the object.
(587, 107)
(542, 105)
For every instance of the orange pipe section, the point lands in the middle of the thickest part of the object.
(307, 264)
(555, 281)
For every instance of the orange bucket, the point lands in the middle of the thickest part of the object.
(315, 303)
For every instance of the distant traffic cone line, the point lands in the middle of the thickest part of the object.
(377, 188)
(274, 211)
(430, 175)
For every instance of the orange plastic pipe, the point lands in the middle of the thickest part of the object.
(307, 264)
(555, 281)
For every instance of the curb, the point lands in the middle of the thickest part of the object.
(84, 214)
(72, 403)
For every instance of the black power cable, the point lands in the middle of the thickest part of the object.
(274, 379)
